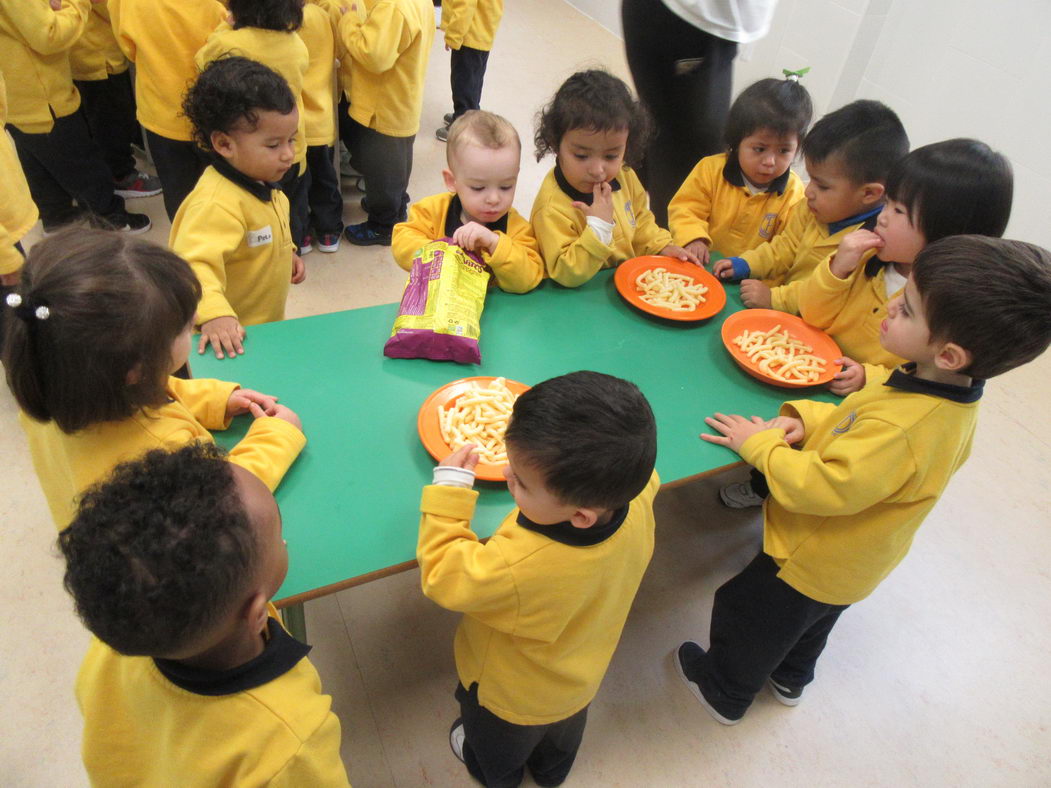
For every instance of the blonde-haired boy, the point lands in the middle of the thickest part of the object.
(483, 157)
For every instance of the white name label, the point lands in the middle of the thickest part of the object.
(263, 235)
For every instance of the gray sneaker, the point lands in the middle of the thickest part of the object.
(137, 184)
(740, 495)
(786, 695)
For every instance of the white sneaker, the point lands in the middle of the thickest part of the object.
(456, 737)
(740, 495)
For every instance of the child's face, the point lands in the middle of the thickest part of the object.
(264, 153)
(904, 332)
(764, 155)
(484, 179)
(526, 486)
(832, 195)
(181, 346)
(588, 158)
(902, 240)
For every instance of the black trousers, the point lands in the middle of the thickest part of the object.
(109, 109)
(761, 628)
(64, 165)
(323, 196)
(466, 74)
(496, 752)
(385, 164)
(179, 164)
(683, 76)
(296, 187)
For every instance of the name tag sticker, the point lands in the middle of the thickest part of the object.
(260, 237)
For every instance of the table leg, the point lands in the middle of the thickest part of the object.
(295, 621)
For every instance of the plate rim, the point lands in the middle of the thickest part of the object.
(625, 284)
(781, 316)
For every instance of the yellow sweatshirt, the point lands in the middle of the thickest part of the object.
(542, 616)
(234, 233)
(153, 722)
(842, 511)
(18, 212)
(384, 63)
(714, 205)
(318, 34)
(96, 55)
(793, 254)
(68, 464)
(572, 252)
(34, 56)
(161, 38)
(471, 23)
(282, 51)
(516, 264)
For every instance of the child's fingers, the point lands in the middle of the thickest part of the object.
(256, 411)
(202, 344)
(582, 207)
(719, 439)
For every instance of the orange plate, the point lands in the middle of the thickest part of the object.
(765, 319)
(431, 434)
(629, 270)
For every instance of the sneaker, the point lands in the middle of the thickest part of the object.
(786, 695)
(690, 651)
(137, 184)
(364, 235)
(740, 495)
(456, 737)
(355, 182)
(328, 242)
(344, 163)
(307, 246)
(134, 224)
(442, 133)
(448, 118)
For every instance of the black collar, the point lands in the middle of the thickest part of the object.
(281, 653)
(567, 533)
(904, 378)
(867, 220)
(453, 221)
(573, 194)
(262, 191)
(732, 173)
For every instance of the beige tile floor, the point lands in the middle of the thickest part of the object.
(940, 678)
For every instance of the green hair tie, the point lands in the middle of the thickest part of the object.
(795, 76)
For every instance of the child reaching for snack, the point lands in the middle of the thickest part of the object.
(591, 211)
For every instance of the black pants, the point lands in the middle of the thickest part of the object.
(109, 109)
(385, 164)
(64, 165)
(323, 195)
(496, 752)
(761, 628)
(179, 164)
(683, 76)
(296, 188)
(466, 74)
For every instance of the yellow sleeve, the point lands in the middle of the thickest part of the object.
(457, 571)
(268, 449)
(203, 235)
(457, 16)
(377, 42)
(49, 32)
(773, 259)
(423, 226)
(516, 263)
(650, 237)
(572, 252)
(317, 762)
(205, 398)
(785, 298)
(822, 295)
(808, 411)
(691, 207)
(876, 374)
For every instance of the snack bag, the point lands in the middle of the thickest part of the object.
(441, 306)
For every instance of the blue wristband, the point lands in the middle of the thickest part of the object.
(741, 268)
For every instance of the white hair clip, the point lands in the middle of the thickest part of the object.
(14, 300)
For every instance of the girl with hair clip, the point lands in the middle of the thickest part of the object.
(95, 329)
(955, 187)
(265, 31)
(734, 201)
(591, 211)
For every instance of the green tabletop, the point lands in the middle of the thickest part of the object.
(350, 502)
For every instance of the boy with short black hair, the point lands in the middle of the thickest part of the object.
(546, 598)
(848, 155)
(843, 509)
(191, 680)
(484, 154)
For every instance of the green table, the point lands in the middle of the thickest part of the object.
(350, 502)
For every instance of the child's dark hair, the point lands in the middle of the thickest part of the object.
(954, 187)
(114, 306)
(591, 436)
(159, 552)
(866, 136)
(230, 93)
(597, 101)
(282, 15)
(990, 296)
(781, 105)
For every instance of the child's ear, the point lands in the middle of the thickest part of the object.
(256, 611)
(872, 193)
(952, 358)
(450, 179)
(584, 518)
(222, 143)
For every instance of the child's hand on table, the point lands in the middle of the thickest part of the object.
(473, 237)
(602, 204)
(734, 430)
(849, 379)
(793, 427)
(299, 269)
(241, 401)
(754, 294)
(671, 250)
(225, 334)
(723, 269)
(850, 251)
(279, 412)
(699, 249)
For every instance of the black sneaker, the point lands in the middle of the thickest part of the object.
(448, 118)
(689, 652)
(135, 224)
(787, 695)
(442, 133)
(456, 737)
(364, 235)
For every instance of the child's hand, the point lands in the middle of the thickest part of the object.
(671, 250)
(280, 412)
(601, 206)
(241, 400)
(699, 249)
(851, 249)
(464, 457)
(754, 294)
(299, 269)
(850, 378)
(734, 430)
(792, 426)
(225, 334)
(474, 236)
(724, 269)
